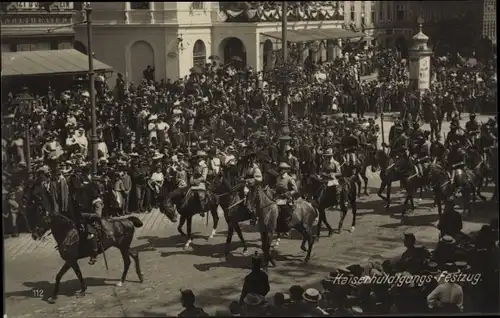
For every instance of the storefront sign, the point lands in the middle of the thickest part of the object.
(18, 19)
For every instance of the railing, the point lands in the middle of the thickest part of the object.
(36, 5)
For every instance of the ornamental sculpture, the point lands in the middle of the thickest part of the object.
(270, 11)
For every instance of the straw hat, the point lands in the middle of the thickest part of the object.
(254, 300)
(311, 295)
(328, 152)
(447, 239)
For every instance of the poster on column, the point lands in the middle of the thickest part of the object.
(424, 76)
(414, 68)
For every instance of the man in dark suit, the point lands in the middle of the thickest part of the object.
(46, 192)
(257, 282)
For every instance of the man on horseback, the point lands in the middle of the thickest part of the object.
(456, 158)
(350, 144)
(420, 151)
(199, 178)
(472, 128)
(253, 176)
(286, 190)
(399, 145)
(293, 162)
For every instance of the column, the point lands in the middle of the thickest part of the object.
(127, 12)
(330, 49)
(323, 54)
(338, 49)
(151, 12)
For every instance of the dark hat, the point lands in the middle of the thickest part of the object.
(296, 292)
(451, 268)
(187, 295)
(256, 259)
(462, 266)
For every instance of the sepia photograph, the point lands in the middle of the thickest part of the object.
(249, 159)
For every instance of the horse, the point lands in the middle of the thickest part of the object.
(188, 203)
(229, 198)
(303, 217)
(323, 197)
(388, 174)
(439, 180)
(118, 233)
(348, 194)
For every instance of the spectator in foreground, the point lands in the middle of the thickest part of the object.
(188, 300)
(257, 282)
(447, 297)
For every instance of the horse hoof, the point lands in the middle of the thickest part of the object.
(306, 260)
(52, 300)
(303, 248)
(81, 293)
(141, 278)
(366, 193)
(352, 229)
(119, 284)
(330, 233)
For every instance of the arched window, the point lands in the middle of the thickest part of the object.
(139, 5)
(199, 53)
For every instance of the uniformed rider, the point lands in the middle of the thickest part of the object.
(472, 128)
(399, 146)
(350, 144)
(286, 191)
(456, 157)
(293, 162)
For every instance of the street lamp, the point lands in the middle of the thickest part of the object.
(93, 134)
(286, 74)
(24, 108)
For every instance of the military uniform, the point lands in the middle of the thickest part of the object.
(285, 190)
(350, 143)
(200, 173)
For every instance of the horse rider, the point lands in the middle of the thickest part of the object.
(472, 128)
(455, 135)
(330, 170)
(350, 144)
(286, 190)
(395, 130)
(399, 145)
(456, 157)
(487, 139)
(293, 162)
(200, 172)
(421, 154)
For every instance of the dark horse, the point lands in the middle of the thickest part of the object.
(188, 203)
(118, 233)
(303, 217)
(323, 197)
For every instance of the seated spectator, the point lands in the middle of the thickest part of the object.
(188, 302)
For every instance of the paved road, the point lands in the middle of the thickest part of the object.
(31, 267)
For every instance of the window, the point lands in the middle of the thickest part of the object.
(372, 16)
(353, 16)
(380, 16)
(199, 54)
(400, 12)
(389, 13)
(139, 5)
(197, 5)
(78, 6)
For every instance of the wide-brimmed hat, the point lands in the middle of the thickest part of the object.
(356, 310)
(284, 165)
(254, 300)
(311, 295)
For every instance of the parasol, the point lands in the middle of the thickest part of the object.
(196, 69)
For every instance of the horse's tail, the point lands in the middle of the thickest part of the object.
(135, 221)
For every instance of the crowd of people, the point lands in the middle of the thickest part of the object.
(451, 278)
(150, 135)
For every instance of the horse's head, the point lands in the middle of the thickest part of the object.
(43, 224)
(168, 208)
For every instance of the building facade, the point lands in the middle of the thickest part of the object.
(173, 37)
(450, 25)
(35, 26)
(360, 16)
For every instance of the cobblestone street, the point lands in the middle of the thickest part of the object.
(31, 266)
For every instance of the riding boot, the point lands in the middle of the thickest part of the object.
(95, 252)
(253, 221)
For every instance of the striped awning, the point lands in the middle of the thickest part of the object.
(305, 35)
(56, 62)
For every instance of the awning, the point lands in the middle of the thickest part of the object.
(56, 62)
(299, 36)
